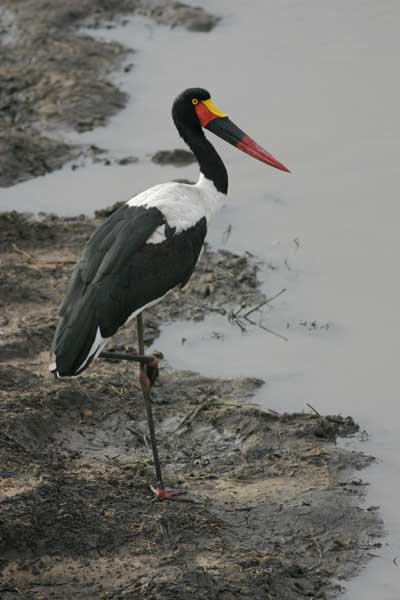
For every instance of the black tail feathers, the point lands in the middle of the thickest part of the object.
(72, 350)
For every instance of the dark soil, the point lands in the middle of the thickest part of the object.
(272, 508)
(53, 76)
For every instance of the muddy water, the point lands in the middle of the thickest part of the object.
(317, 85)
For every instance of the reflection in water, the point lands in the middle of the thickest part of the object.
(314, 82)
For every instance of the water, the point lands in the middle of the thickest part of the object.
(316, 84)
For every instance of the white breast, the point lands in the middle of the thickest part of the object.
(183, 205)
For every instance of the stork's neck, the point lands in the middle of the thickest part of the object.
(210, 162)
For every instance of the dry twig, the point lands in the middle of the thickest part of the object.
(264, 303)
(315, 411)
(40, 261)
(188, 420)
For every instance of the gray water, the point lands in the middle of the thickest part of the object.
(317, 84)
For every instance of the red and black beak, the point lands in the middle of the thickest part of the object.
(216, 121)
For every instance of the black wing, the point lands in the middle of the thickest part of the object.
(117, 274)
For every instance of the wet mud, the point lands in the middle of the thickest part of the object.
(272, 506)
(53, 77)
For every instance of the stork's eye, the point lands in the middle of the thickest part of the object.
(195, 101)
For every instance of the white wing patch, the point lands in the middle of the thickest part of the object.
(183, 205)
(158, 236)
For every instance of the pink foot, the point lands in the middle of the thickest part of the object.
(162, 493)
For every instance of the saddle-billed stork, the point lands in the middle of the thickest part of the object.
(146, 248)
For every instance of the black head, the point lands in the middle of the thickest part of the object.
(183, 108)
(194, 109)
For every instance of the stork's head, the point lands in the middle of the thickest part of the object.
(194, 109)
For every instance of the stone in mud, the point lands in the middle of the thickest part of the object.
(127, 160)
(194, 18)
(178, 157)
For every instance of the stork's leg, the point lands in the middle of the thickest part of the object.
(147, 376)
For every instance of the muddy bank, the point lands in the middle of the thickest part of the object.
(52, 76)
(272, 507)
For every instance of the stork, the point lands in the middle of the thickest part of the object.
(145, 249)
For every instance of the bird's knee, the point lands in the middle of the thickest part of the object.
(144, 381)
